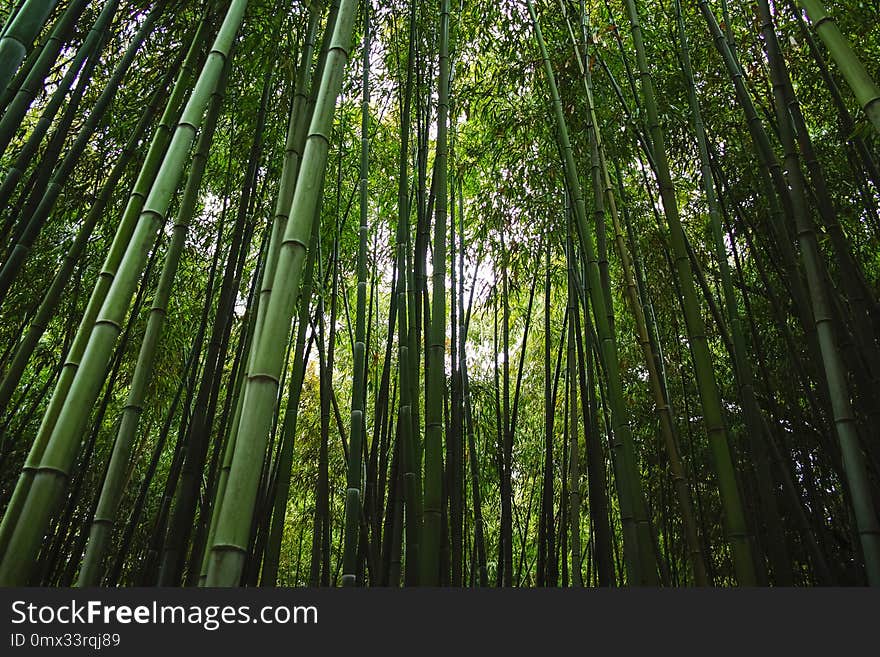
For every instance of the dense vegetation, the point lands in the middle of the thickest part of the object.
(552, 293)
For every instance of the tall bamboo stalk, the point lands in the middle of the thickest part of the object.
(713, 416)
(639, 557)
(358, 390)
(108, 503)
(436, 352)
(574, 469)
(854, 72)
(229, 549)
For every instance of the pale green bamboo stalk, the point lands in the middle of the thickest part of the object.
(230, 547)
(25, 347)
(299, 114)
(436, 371)
(269, 575)
(111, 491)
(19, 36)
(358, 390)
(297, 128)
(229, 447)
(854, 72)
(294, 143)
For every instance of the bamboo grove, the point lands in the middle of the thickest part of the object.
(451, 293)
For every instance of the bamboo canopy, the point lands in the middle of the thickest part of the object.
(553, 293)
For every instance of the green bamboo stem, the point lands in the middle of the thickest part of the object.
(771, 176)
(199, 430)
(13, 12)
(298, 123)
(26, 346)
(111, 490)
(301, 110)
(638, 550)
(436, 373)
(864, 88)
(595, 454)
(19, 35)
(408, 442)
(228, 444)
(358, 390)
(743, 369)
(272, 556)
(734, 517)
(229, 549)
(546, 573)
(868, 161)
(300, 113)
(574, 469)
